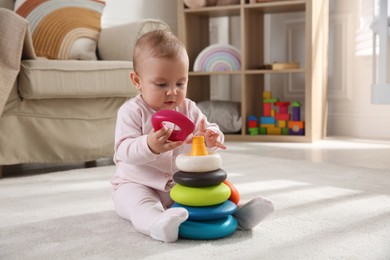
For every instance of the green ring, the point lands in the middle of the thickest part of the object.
(200, 196)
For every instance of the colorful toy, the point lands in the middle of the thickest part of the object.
(208, 213)
(208, 229)
(276, 118)
(296, 111)
(200, 180)
(218, 57)
(234, 194)
(252, 125)
(200, 197)
(184, 123)
(204, 163)
(205, 194)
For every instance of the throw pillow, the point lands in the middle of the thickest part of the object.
(226, 114)
(63, 29)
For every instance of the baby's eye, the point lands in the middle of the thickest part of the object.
(161, 84)
(180, 84)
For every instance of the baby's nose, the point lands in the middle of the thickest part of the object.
(172, 91)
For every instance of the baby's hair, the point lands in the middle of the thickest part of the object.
(157, 44)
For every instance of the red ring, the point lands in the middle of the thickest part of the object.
(186, 125)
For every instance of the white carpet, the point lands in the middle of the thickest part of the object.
(323, 211)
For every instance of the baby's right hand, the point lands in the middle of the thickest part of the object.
(158, 140)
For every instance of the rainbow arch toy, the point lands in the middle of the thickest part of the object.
(218, 57)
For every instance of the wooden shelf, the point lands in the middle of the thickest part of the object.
(215, 11)
(247, 72)
(193, 30)
(274, 71)
(278, 6)
(214, 73)
(266, 138)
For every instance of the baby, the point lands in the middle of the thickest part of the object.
(145, 158)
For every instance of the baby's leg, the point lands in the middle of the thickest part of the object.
(253, 212)
(142, 206)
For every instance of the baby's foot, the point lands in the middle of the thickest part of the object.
(166, 227)
(253, 212)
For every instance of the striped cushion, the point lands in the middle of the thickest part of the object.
(63, 29)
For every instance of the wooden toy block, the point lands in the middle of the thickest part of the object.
(273, 112)
(267, 120)
(296, 127)
(266, 125)
(296, 114)
(283, 107)
(263, 130)
(296, 132)
(296, 111)
(253, 131)
(270, 100)
(267, 109)
(296, 104)
(252, 118)
(252, 121)
(285, 131)
(299, 124)
(280, 116)
(282, 123)
(274, 130)
(267, 94)
(252, 124)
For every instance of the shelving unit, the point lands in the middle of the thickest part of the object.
(193, 30)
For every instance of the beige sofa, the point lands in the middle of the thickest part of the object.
(65, 110)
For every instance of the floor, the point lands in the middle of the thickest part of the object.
(373, 154)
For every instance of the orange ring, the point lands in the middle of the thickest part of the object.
(235, 195)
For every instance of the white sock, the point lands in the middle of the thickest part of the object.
(166, 227)
(253, 212)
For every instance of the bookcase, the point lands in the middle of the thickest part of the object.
(193, 30)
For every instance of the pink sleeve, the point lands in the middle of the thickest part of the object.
(130, 140)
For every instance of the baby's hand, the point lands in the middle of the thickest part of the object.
(210, 137)
(158, 140)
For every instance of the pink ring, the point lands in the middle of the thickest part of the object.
(186, 125)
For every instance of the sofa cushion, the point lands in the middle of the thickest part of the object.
(43, 79)
(117, 42)
(8, 4)
(67, 29)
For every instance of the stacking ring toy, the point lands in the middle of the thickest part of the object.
(205, 163)
(200, 179)
(184, 123)
(208, 229)
(235, 195)
(200, 197)
(207, 213)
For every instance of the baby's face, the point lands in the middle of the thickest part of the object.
(163, 81)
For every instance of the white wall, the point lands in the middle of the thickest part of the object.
(350, 110)
(122, 11)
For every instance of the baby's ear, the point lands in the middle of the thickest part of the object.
(135, 79)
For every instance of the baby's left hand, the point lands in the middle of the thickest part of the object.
(210, 137)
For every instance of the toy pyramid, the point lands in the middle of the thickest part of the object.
(203, 190)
